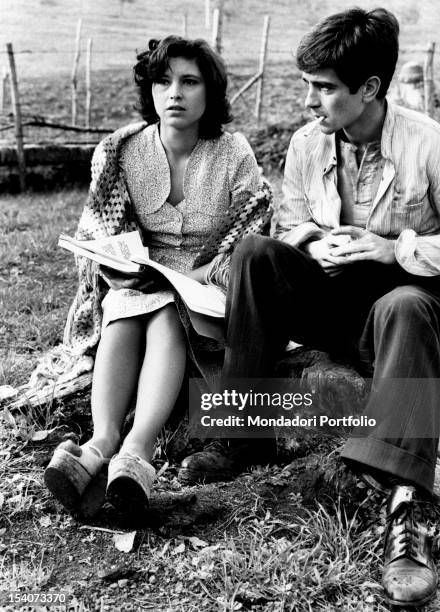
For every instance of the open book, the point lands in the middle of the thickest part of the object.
(126, 253)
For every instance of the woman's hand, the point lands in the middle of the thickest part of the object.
(147, 281)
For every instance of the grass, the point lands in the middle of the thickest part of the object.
(37, 280)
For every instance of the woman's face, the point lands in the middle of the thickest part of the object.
(180, 94)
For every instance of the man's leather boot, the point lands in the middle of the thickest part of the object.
(225, 459)
(409, 576)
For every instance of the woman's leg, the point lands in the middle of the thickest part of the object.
(160, 380)
(118, 361)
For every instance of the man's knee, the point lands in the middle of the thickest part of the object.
(404, 303)
(254, 250)
(251, 247)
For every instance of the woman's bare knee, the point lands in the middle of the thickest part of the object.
(165, 325)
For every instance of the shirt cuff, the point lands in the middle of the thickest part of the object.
(405, 248)
(417, 263)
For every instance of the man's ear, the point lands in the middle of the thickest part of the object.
(370, 88)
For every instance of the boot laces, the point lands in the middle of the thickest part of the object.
(406, 529)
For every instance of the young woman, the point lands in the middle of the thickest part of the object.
(193, 191)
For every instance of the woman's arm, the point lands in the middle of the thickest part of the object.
(199, 274)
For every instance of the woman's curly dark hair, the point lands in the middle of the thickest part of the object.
(153, 63)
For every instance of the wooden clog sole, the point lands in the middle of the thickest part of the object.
(126, 495)
(66, 478)
(62, 488)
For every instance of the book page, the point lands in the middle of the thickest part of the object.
(126, 253)
(204, 299)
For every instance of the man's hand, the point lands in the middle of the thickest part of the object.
(319, 250)
(147, 281)
(363, 246)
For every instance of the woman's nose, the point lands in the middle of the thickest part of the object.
(175, 90)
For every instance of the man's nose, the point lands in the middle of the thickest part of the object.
(312, 98)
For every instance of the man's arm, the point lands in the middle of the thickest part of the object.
(420, 255)
(294, 223)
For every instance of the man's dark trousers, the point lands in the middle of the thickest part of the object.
(375, 312)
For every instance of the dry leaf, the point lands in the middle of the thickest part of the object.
(124, 541)
(197, 542)
(38, 436)
(9, 418)
(45, 521)
(2, 499)
(179, 549)
(165, 549)
(6, 392)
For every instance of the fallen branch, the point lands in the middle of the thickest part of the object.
(29, 397)
(58, 126)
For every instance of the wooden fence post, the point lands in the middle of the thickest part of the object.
(89, 82)
(217, 30)
(3, 89)
(17, 118)
(428, 78)
(207, 14)
(74, 71)
(245, 87)
(263, 53)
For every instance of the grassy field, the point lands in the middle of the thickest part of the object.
(43, 31)
(37, 279)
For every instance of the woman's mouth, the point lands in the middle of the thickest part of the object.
(175, 107)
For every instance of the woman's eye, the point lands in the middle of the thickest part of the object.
(162, 81)
(190, 82)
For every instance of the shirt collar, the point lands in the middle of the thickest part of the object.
(330, 143)
(387, 131)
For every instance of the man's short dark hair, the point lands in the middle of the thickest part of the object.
(357, 44)
(153, 63)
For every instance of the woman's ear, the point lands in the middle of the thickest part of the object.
(371, 88)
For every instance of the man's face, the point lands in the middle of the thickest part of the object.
(328, 97)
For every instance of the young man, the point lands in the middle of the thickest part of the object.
(354, 267)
